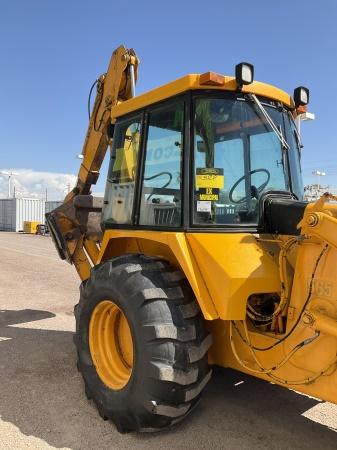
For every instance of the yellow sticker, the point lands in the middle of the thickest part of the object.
(209, 178)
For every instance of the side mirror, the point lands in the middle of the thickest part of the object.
(301, 96)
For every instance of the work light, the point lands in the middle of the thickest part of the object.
(244, 73)
(301, 96)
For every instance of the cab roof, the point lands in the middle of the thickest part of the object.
(193, 82)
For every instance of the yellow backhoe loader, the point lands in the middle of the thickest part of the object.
(202, 251)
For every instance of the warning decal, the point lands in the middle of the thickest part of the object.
(209, 178)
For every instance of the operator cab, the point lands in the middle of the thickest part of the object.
(203, 155)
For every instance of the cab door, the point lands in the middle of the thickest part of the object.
(160, 202)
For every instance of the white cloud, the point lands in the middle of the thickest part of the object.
(29, 183)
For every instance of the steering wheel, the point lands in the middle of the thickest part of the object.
(258, 190)
(158, 175)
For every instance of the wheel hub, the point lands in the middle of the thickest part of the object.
(111, 344)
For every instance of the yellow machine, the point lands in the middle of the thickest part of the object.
(30, 227)
(202, 251)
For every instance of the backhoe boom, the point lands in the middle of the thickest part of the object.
(75, 225)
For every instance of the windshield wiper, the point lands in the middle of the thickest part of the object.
(274, 127)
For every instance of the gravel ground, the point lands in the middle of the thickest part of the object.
(42, 403)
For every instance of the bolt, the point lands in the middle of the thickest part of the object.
(308, 319)
(312, 220)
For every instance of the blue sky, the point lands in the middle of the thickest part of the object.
(51, 51)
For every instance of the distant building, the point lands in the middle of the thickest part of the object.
(15, 211)
(313, 192)
(51, 204)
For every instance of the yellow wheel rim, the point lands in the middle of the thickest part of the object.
(111, 346)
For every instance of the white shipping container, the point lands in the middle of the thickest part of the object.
(14, 211)
(7, 214)
(50, 205)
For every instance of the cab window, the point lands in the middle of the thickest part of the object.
(237, 157)
(161, 184)
(119, 193)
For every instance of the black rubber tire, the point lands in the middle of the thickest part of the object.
(170, 340)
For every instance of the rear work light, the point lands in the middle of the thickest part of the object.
(301, 96)
(244, 73)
